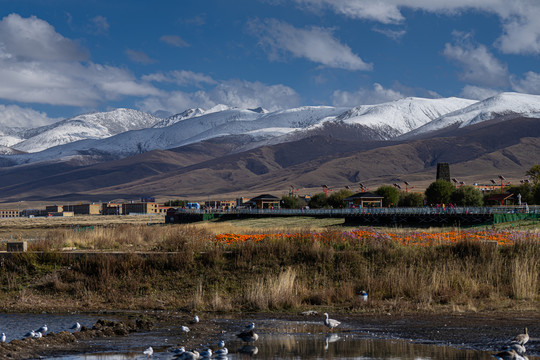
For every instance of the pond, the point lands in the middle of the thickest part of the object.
(278, 339)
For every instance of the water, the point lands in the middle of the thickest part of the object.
(317, 346)
(278, 340)
(17, 325)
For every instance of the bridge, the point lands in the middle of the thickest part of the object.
(424, 216)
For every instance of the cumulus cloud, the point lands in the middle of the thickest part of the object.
(519, 18)
(477, 92)
(530, 83)
(16, 116)
(392, 34)
(38, 65)
(479, 65)
(239, 93)
(173, 40)
(378, 94)
(28, 39)
(315, 44)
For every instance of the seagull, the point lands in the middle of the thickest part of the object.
(190, 355)
(195, 319)
(508, 355)
(250, 327)
(248, 336)
(517, 347)
(522, 338)
(179, 351)
(76, 327)
(206, 354)
(331, 323)
(38, 335)
(222, 350)
(148, 352)
(43, 329)
(184, 329)
(30, 334)
(3, 337)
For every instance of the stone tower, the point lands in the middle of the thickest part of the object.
(443, 171)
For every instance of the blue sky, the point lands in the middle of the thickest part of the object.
(60, 58)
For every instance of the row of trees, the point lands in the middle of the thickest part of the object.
(438, 192)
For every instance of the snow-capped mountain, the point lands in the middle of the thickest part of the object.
(87, 126)
(499, 106)
(125, 132)
(401, 116)
(188, 114)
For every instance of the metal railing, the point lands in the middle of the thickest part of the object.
(374, 211)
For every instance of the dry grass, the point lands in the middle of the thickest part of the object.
(182, 267)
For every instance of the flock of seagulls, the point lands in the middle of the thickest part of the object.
(36, 334)
(516, 349)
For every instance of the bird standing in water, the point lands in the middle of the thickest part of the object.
(330, 323)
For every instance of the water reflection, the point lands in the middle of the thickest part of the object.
(315, 346)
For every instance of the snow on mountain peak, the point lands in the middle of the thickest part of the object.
(508, 103)
(403, 115)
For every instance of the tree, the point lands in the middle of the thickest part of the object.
(318, 201)
(526, 191)
(534, 174)
(467, 196)
(287, 202)
(390, 195)
(438, 192)
(337, 199)
(411, 199)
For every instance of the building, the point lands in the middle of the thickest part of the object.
(140, 208)
(111, 209)
(221, 204)
(501, 199)
(10, 213)
(364, 199)
(54, 209)
(266, 201)
(83, 209)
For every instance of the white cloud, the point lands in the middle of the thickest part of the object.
(28, 39)
(479, 65)
(519, 18)
(16, 116)
(315, 44)
(139, 57)
(239, 93)
(38, 65)
(530, 84)
(174, 40)
(100, 24)
(477, 92)
(392, 34)
(180, 77)
(364, 96)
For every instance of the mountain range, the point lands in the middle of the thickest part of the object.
(224, 151)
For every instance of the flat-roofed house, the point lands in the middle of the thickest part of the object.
(266, 201)
(364, 199)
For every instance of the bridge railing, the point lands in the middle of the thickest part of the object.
(375, 211)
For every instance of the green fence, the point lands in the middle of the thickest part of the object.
(500, 218)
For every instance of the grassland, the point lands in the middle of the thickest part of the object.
(140, 263)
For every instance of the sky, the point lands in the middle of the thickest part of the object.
(61, 58)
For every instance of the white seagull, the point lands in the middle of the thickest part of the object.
(190, 355)
(30, 334)
(331, 323)
(3, 337)
(517, 347)
(508, 355)
(184, 329)
(195, 319)
(38, 335)
(43, 329)
(250, 327)
(206, 354)
(148, 352)
(222, 350)
(76, 327)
